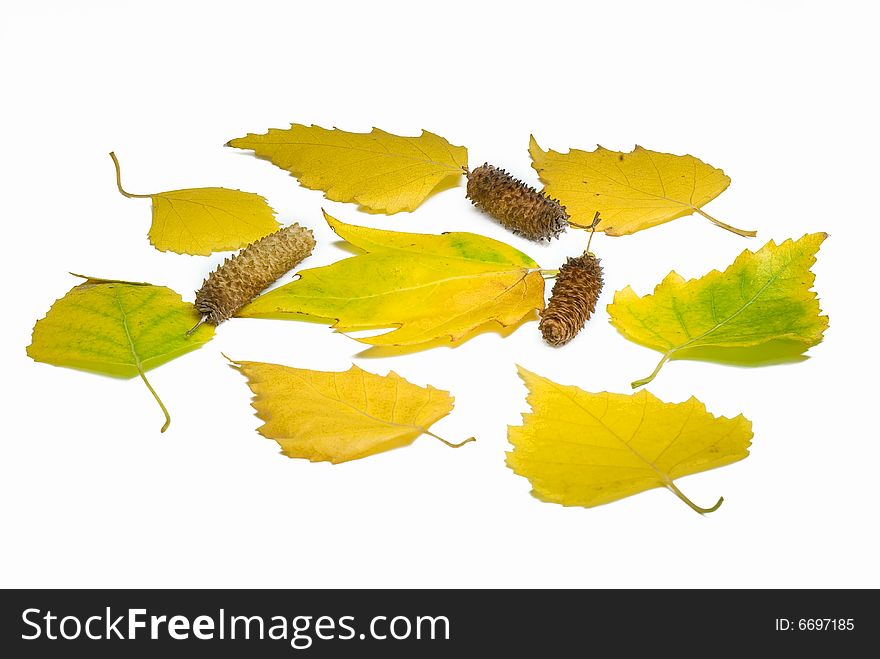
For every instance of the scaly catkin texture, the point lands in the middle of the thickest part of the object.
(573, 299)
(244, 276)
(519, 207)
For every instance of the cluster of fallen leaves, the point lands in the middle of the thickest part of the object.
(575, 447)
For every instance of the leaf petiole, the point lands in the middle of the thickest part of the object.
(137, 363)
(201, 322)
(703, 511)
(644, 381)
(450, 444)
(130, 195)
(718, 223)
(156, 396)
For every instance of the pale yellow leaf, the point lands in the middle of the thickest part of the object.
(584, 449)
(337, 417)
(378, 170)
(200, 221)
(631, 191)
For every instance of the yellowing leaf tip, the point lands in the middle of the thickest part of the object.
(332, 221)
(525, 374)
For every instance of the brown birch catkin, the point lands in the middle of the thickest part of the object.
(519, 207)
(573, 299)
(240, 278)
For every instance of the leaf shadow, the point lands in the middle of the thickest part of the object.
(490, 327)
(346, 246)
(451, 181)
(447, 183)
(777, 351)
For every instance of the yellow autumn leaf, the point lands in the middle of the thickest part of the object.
(763, 300)
(380, 171)
(117, 328)
(425, 286)
(200, 221)
(336, 417)
(631, 191)
(578, 448)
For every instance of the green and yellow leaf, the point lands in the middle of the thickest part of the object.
(336, 417)
(380, 171)
(117, 328)
(425, 286)
(578, 448)
(200, 221)
(764, 297)
(631, 191)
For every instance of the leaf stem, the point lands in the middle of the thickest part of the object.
(592, 232)
(156, 396)
(548, 274)
(119, 182)
(450, 444)
(201, 322)
(719, 223)
(137, 362)
(703, 511)
(644, 381)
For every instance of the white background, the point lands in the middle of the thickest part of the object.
(780, 95)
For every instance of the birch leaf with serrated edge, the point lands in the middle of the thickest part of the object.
(762, 297)
(336, 417)
(117, 328)
(380, 171)
(631, 191)
(200, 221)
(578, 448)
(425, 286)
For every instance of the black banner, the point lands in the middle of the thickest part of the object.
(318, 623)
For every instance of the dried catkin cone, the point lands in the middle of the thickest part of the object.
(519, 207)
(244, 276)
(573, 299)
